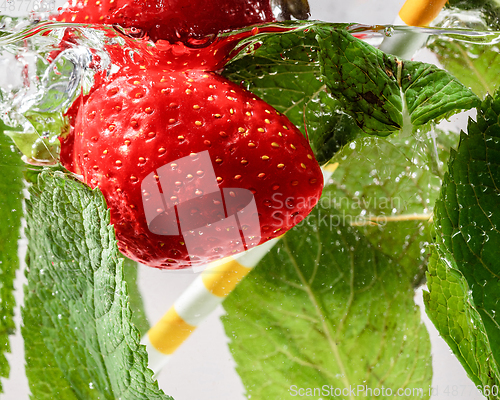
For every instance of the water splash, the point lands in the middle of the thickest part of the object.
(47, 70)
(50, 64)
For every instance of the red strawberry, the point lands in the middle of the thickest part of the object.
(178, 154)
(173, 20)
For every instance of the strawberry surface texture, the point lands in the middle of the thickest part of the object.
(193, 167)
(172, 20)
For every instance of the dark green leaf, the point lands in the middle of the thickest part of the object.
(79, 339)
(468, 4)
(284, 71)
(337, 88)
(325, 307)
(11, 211)
(467, 220)
(385, 94)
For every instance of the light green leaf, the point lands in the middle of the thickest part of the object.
(387, 187)
(467, 220)
(79, 339)
(325, 307)
(385, 94)
(11, 210)
(476, 66)
(490, 9)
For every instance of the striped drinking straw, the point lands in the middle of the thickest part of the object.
(418, 13)
(202, 297)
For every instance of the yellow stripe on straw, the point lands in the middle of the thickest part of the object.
(420, 12)
(170, 332)
(222, 279)
(198, 301)
(202, 297)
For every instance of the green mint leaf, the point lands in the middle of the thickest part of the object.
(283, 69)
(476, 66)
(467, 217)
(325, 307)
(490, 9)
(451, 308)
(11, 211)
(385, 94)
(139, 318)
(336, 88)
(79, 339)
(386, 187)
